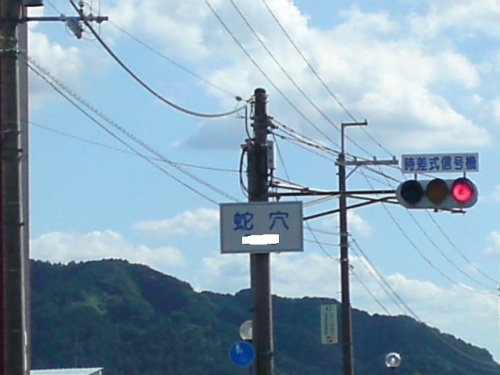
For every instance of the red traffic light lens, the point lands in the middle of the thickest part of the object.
(462, 190)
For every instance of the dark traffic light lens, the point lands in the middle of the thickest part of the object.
(462, 190)
(437, 190)
(411, 191)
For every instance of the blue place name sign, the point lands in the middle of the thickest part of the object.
(440, 163)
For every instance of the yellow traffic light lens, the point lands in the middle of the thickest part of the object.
(437, 190)
(462, 190)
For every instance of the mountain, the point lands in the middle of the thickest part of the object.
(133, 320)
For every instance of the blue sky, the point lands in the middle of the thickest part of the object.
(424, 75)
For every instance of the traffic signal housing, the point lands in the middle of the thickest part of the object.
(437, 194)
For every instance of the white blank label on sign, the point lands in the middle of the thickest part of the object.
(262, 239)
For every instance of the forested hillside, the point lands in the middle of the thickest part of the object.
(133, 320)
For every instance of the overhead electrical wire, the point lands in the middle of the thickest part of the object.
(233, 4)
(457, 250)
(144, 84)
(258, 67)
(311, 68)
(299, 136)
(214, 12)
(263, 44)
(322, 82)
(321, 245)
(443, 254)
(455, 247)
(295, 138)
(59, 87)
(378, 279)
(175, 63)
(288, 177)
(121, 150)
(474, 361)
(303, 145)
(273, 57)
(68, 98)
(420, 253)
(343, 107)
(302, 140)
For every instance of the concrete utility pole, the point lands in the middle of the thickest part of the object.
(14, 339)
(347, 342)
(258, 186)
(22, 37)
(14, 185)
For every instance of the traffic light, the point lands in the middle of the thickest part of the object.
(437, 194)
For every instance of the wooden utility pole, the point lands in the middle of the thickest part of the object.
(258, 186)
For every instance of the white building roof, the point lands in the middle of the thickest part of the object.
(69, 371)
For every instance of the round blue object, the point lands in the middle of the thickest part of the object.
(242, 353)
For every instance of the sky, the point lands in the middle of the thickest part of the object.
(115, 172)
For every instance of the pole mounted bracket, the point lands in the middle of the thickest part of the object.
(74, 23)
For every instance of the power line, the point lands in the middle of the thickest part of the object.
(455, 247)
(60, 92)
(59, 87)
(307, 61)
(301, 140)
(422, 255)
(144, 84)
(307, 140)
(479, 363)
(265, 74)
(102, 145)
(290, 78)
(322, 245)
(173, 62)
(325, 86)
(444, 254)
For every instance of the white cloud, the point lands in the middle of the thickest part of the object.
(63, 247)
(63, 63)
(367, 23)
(356, 224)
(359, 224)
(226, 273)
(496, 194)
(493, 245)
(457, 68)
(386, 75)
(180, 27)
(381, 70)
(495, 104)
(462, 311)
(197, 222)
(454, 309)
(481, 17)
